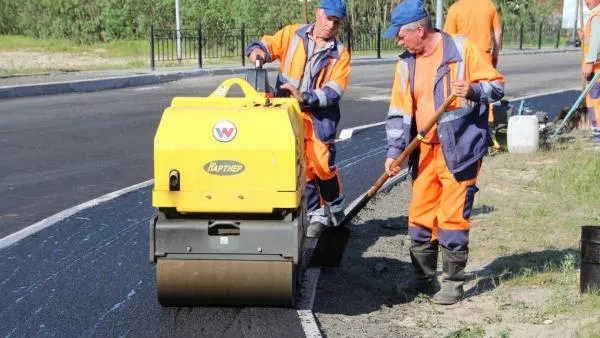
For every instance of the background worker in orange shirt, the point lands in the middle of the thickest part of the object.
(591, 64)
(446, 164)
(479, 21)
(314, 68)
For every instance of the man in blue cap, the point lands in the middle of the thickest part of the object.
(314, 68)
(446, 163)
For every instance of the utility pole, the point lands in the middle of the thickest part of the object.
(178, 23)
(575, 21)
(581, 23)
(305, 11)
(439, 15)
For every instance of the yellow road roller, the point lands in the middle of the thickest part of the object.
(228, 184)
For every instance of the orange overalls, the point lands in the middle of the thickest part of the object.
(592, 100)
(326, 85)
(446, 167)
(475, 19)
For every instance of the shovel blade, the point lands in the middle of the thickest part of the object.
(330, 248)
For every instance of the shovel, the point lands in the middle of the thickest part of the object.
(332, 242)
(575, 105)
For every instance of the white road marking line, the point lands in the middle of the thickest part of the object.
(146, 88)
(375, 98)
(309, 324)
(308, 292)
(348, 132)
(542, 94)
(43, 224)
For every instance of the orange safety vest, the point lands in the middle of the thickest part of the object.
(289, 46)
(587, 33)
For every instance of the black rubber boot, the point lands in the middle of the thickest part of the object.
(424, 256)
(453, 278)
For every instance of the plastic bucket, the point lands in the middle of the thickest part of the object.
(589, 278)
(522, 134)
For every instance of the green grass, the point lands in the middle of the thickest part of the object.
(575, 178)
(504, 333)
(591, 330)
(475, 332)
(572, 303)
(531, 235)
(542, 199)
(547, 273)
(120, 54)
(121, 48)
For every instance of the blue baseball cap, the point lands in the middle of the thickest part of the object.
(335, 8)
(406, 12)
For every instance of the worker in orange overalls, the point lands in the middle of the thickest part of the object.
(591, 65)
(477, 20)
(446, 164)
(314, 68)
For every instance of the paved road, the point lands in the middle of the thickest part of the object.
(88, 275)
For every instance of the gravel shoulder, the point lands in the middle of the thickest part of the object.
(364, 297)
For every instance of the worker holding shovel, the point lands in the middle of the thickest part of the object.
(591, 65)
(446, 163)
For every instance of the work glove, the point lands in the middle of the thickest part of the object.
(308, 102)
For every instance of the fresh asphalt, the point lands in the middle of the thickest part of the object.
(88, 275)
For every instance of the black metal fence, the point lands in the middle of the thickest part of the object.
(196, 45)
(230, 43)
(533, 35)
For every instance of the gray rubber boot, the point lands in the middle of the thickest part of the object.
(453, 278)
(424, 256)
(314, 230)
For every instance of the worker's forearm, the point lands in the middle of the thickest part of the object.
(497, 41)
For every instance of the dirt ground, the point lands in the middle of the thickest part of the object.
(364, 297)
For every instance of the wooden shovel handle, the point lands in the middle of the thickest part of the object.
(412, 145)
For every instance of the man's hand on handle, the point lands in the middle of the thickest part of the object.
(392, 171)
(257, 52)
(294, 92)
(462, 88)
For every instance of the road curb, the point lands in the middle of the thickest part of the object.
(100, 84)
(540, 51)
(93, 85)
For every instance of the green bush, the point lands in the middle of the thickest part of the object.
(88, 21)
